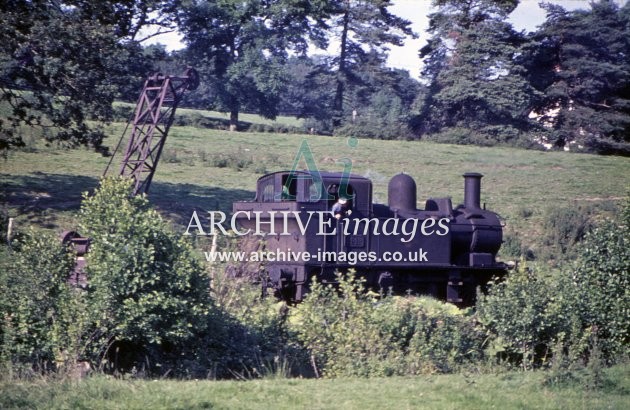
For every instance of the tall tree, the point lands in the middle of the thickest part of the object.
(476, 79)
(63, 62)
(580, 61)
(240, 48)
(361, 27)
(381, 100)
(309, 91)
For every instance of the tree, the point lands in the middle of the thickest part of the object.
(477, 81)
(309, 91)
(382, 100)
(580, 62)
(362, 27)
(63, 63)
(240, 49)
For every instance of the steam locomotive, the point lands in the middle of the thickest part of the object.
(442, 251)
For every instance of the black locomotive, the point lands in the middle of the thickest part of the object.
(439, 250)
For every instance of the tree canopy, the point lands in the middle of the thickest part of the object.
(566, 85)
(241, 49)
(580, 62)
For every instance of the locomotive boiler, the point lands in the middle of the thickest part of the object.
(441, 250)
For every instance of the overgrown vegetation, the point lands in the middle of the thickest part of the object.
(150, 309)
(349, 331)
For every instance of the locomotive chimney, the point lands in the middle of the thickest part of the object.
(472, 190)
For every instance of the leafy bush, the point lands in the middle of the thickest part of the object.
(527, 314)
(369, 129)
(350, 332)
(123, 113)
(237, 161)
(580, 311)
(147, 292)
(34, 303)
(601, 279)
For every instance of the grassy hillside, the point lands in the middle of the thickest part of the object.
(525, 390)
(209, 169)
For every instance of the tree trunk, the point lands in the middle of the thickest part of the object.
(234, 120)
(341, 75)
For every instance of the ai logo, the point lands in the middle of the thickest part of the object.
(313, 173)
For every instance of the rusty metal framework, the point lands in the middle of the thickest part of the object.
(153, 117)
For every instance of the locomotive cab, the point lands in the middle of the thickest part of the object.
(294, 217)
(323, 189)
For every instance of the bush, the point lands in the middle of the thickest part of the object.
(482, 135)
(564, 228)
(601, 279)
(585, 309)
(368, 129)
(350, 332)
(35, 303)
(527, 314)
(147, 293)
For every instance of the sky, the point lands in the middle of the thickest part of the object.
(527, 16)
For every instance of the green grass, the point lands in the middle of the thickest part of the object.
(250, 118)
(43, 188)
(243, 117)
(512, 390)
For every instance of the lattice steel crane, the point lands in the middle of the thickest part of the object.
(152, 120)
(153, 117)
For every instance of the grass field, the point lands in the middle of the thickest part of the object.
(208, 169)
(510, 390)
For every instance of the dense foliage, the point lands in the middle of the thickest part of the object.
(150, 309)
(241, 50)
(147, 296)
(579, 63)
(563, 86)
(533, 316)
(63, 63)
(34, 303)
(145, 284)
(351, 332)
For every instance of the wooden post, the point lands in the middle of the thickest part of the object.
(9, 230)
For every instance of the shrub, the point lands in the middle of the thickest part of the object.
(146, 291)
(34, 303)
(601, 278)
(350, 332)
(564, 227)
(582, 310)
(527, 314)
(123, 113)
(482, 135)
(237, 161)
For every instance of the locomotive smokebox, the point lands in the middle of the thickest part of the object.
(472, 190)
(401, 193)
